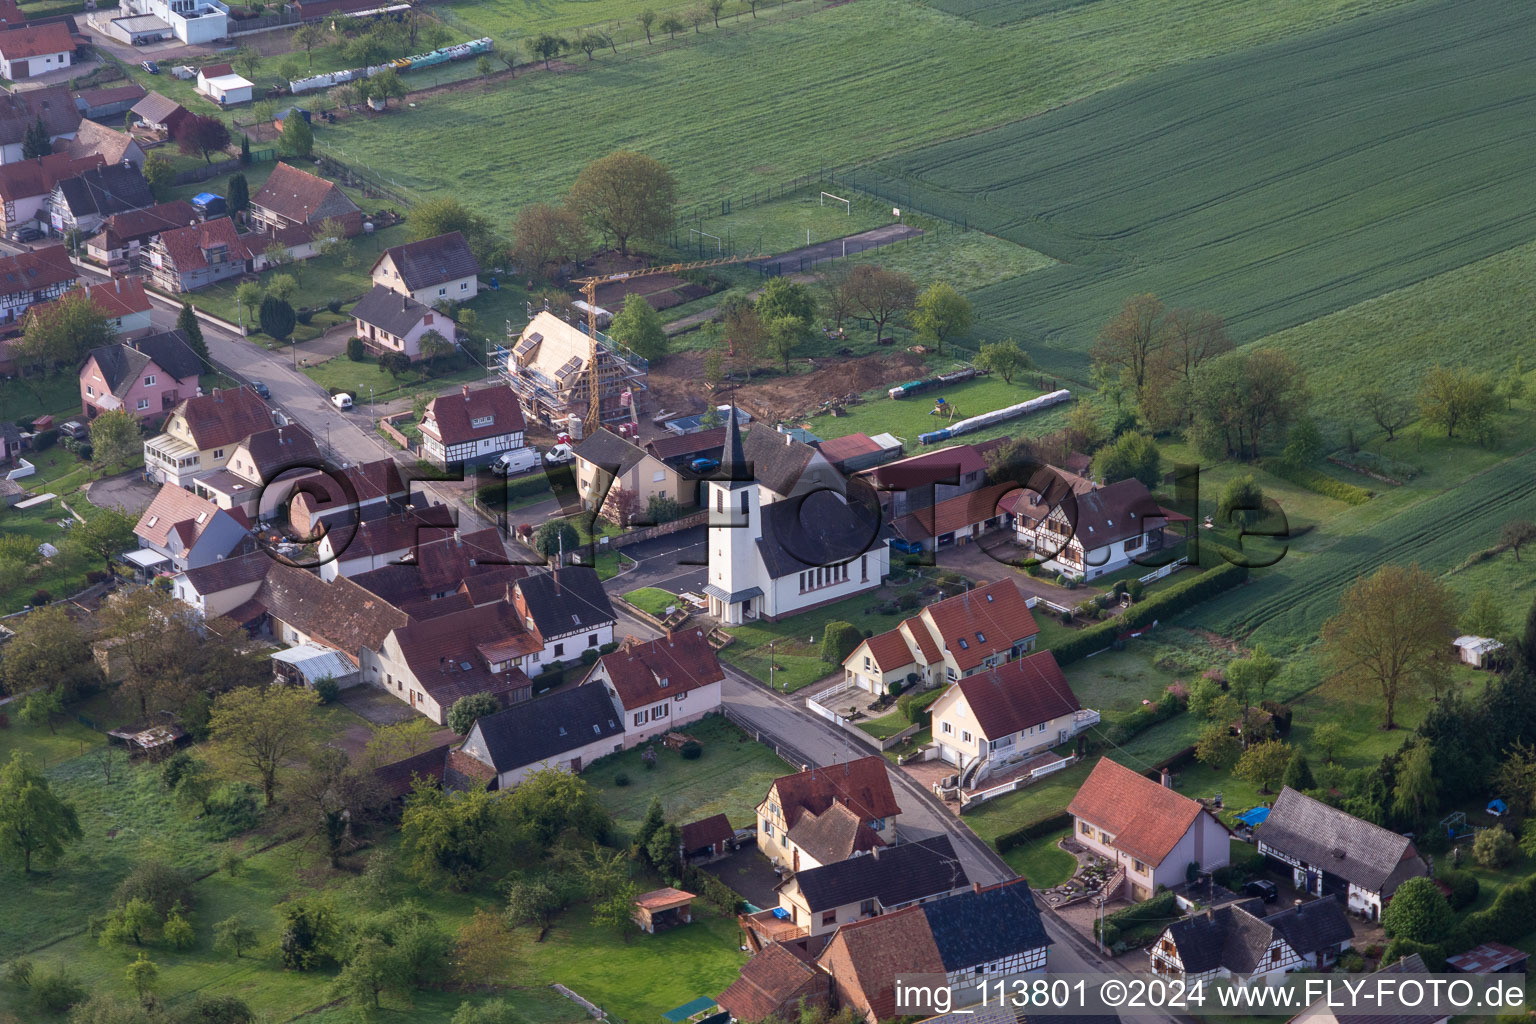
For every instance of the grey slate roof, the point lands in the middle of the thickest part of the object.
(893, 875)
(607, 450)
(390, 311)
(172, 353)
(733, 462)
(432, 260)
(1237, 936)
(820, 530)
(1312, 926)
(120, 366)
(1372, 857)
(540, 729)
(574, 601)
(776, 460)
(980, 927)
(107, 190)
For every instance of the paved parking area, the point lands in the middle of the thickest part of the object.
(128, 491)
(750, 875)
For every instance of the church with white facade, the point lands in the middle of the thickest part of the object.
(784, 535)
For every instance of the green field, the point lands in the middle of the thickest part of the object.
(909, 417)
(1273, 186)
(756, 131)
(508, 20)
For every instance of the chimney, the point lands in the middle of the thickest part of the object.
(404, 303)
(975, 887)
(1167, 779)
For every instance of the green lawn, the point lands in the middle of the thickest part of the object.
(342, 374)
(55, 394)
(1042, 862)
(58, 576)
(652, 600)
(909, 417)
(730, 778)
(888, 724)
(777, 225)
(522, 18)
(969, 260)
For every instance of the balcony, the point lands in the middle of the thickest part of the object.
(766, 927)
(1086, 718)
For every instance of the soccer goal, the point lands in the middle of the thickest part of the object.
(701, 235)
(837, 199)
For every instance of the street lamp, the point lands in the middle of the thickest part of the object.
(771, 665)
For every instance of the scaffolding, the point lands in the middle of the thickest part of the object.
(546, 365)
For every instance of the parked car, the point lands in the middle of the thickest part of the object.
(704, 465)
(75, 429)
(906, 547)
(342, 400)
(512, 463)
(1263, 888)
(150, 66)
(559, 455)
(26, 233)
(261, 389)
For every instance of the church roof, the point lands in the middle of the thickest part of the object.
(733, 463)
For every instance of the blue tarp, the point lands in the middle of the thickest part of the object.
(1253, 816)
(689, 1009)
(204, 197)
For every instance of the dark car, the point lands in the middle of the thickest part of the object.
(261, 389)
(1262, 888)
(704, 465)
(26, 234)
(150, 66)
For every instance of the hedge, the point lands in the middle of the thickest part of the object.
(1158, 912)
(1142, 719)
(1044, 827)
(913, 705)
(495, 495)
(1161, 605)
(1318, 483)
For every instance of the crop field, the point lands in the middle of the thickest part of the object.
(1274, 186)
(512, 19)
(769, 120)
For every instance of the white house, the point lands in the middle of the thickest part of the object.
(1147, 830)
(1099, 532)
(390, 322)
(180, 531)
(431, 270)
(431, 662)
(1331, 853)
(471, 427)
(220, 83)
(191, 21)
(568, 609)
(222, 587)
(30, 50)
(770, 557)
(567, 729)
(1238, 940)
(662, 684)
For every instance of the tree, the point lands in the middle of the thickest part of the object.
(1512, 385)
(1327, 738)
(1515, 778)
(49, 644)
(277, 317)
(235, 935)
(715, 7)
(621, 505)
(589, 42)
(625, 195)
(64, 331)
(1241, 502)
(784, 334)
(1298, 773)
(483, 949)
(161, 176)
(435, 346)
(534, 903)
(386, 86)
(671, 26)
(1131, 456)
(654, 819)
(1516, 534)
(465, 711)
(298, 138)
(554, 536)
(308, 36)
(261, 730)
(483, 66)
(942, 313)
(442, 216)
(647, 18)
(345, 96)
(547, 47)
(282, 286)
(1391, 633)
(1484, 615)
(1418, 911)
(1217, 748)
(1244, 401)
(1414, 796)
(115, 439)
(782, 297)
(247, 61)
(40, 706)
(1389, 409)
(664, 848)
(454, 836)
(372, 969)
(639, 328)
(201, 135)
(34, 822)
(1129, 342)
(192, 329)
(882, 294)
(546, 236)
(1304, 446)
(696, 17)
(1247, 678)
(131, 922)
(838, 640)
(1004, 358)
(142, 976)
(1263, 763)
(177, 931)
(36, 142)
(1495, 847)
(1203, 696)
(1452, 398)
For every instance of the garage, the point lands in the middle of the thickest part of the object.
(20, 69)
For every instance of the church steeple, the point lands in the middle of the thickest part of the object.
(733, 463)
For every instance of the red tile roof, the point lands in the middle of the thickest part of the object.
(37, 177)
(890, 650)
(771, 981)
(399, 778)
(216, 70)
(685, 660)
(951, 514)
(834, 835)
(670, 446)
(188, 247)
(661, 899)
(145, 224)
(339, 613)
(1146, 819)
(33, 271)
(849, 446)
(224, 417)
(942, 466)
(35, 41)
(120, 297)
(172, 508)
(864, 785)
(865, 957)
(980, 623)
(300, 196)
(927, 646)
(451, 656)
(451, 418)
(1019, 695)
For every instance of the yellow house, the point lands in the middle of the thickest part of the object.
(202, 433)
(605, 455)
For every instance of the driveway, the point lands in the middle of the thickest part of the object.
(975, 561)
(127, 491)
(749, 874)
(676, 562)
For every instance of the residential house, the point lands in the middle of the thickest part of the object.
(606, 462)
(771, 558)
(114, 147)
(83, 202)
(471, 427)
(30, 278)
(339, 498)
(124, 235)
(387, 541)
(160, 114)
(262, 472)
(1047, 487)
(776, 985)
(824, 815)
(1332, 1009)
(20, 110)
(430, 663)
(548, 369)
(124, 302)
(707, 839)
(11, 14)
(201, 434)
(295, 198)
(921, 481)
(417, 557)
(226, 587)
(29, 50)
(1237, 940)
(219, 83)
(108, 101)
(185, 259)
(822, 899)
(181, 531)
(1331, 853)
(956, 520)
(147, 376)
(431, 270)
(985, 724)
(948, 640)
(10, 444)
(26, 185)
(568, 610)
(191, 21)
(853, 453)
(1100, 532)
(1146, 830)
(298, 607)
(567, 729)
(968, 937)
(390, 322)
(661, 684)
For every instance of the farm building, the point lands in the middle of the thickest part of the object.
(547, 367)
(1477, 651)
(220, 83)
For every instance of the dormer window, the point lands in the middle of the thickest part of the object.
(963, 645)
(981, 638)
(482, 421)
(662, 682)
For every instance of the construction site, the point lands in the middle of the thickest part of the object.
(555, 367)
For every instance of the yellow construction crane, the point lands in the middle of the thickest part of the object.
(589, 286)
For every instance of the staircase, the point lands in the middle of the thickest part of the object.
(972, 773)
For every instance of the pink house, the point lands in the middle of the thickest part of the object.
(146, 376)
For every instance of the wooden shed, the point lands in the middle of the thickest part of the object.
(661, 909)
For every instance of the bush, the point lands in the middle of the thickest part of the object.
(96, 576)
(1135, 588)
(233, 808)
(18, 973)
(1141, 922)
(609, 647)
(45, 439)
(589, 656)
(1464, 888)
(1160, 606)
(158, 884)
(56, 990)
(894, 687)
(838, 640)
(175, 766)
(356, 350)
(304, 316)
(1418, 911)
(1434, 956)
(691, 750)
(327, 689)
(1142, 719)
(914, 706)
(1494, 847)
(1317, 482)
(908, 601)
(334, 305)
(40, 597)
(621, 780)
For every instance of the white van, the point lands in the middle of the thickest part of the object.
(515, 462)
(342, 401)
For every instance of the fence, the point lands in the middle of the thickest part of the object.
(1167, 570)
(370, 181)
(263, 23)
(894, 740)
(970, 798)
(230, 166)
(786, 753)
